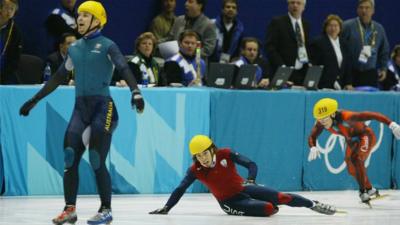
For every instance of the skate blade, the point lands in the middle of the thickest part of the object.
(104, 223)
(368, 204)
(66, 222)
(341, 211)
(379, 197)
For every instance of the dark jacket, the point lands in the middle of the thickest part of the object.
(11, 47)
(228, 40)
(323, 53)
(281, 44)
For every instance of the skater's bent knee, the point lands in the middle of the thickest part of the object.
(270, 209)
(284, 198)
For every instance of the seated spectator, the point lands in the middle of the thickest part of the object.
(229, 33)
(55, 59)
(332, 52)
(162, 24)
(392, 81)
(250, 54)
(186, 67)
(10, 42)
(195, 20)
(60, 21)
(143, 64)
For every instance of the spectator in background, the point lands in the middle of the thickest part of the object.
(332, 52)
(143, 64)
(10, 42)
(195, 20)
(229, 33)
(392, 81)
(61, 20)
(185, 67)
(250, 54)
(55, 59)
(161, 25)
(369, 45)
(287, 39)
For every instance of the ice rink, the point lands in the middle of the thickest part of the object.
(202, 209)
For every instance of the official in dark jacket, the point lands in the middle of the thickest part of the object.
(332, 51)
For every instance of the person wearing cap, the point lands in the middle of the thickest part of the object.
(93, 58)
(216, 169)
(360, 139)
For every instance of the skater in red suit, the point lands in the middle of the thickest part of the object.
(360, 138)
(216, 169)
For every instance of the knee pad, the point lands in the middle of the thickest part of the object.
(94, 159)
(69, 157)
(284, 198)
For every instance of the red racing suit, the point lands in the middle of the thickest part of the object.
(359, 139)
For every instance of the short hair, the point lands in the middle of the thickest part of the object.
(246, 40)
(203, 4)
(330, 18)
(395, 52)
(144, 36)
(224, 2)
(64, 36)
(189, 33)
(370, 1)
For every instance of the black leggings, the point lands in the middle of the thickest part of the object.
(262, 201)
(100, 114)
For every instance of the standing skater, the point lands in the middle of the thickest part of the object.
(93, 58)
(360, 139)
(216, 169)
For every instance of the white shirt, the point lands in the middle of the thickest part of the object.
(338, 52)
(228, 26)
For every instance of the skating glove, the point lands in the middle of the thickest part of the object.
(395, 129)
(27, 106)
(137, 100)
(164, 210)
(314, 153)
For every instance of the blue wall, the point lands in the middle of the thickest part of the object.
(149, 152)
(129, 18)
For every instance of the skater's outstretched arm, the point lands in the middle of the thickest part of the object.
(246, 162)
(363, 116)
(177, 193)
(54, 81)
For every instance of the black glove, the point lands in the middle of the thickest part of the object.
(27, 106)
(162, 211)
(249, 182)
(137, 100)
